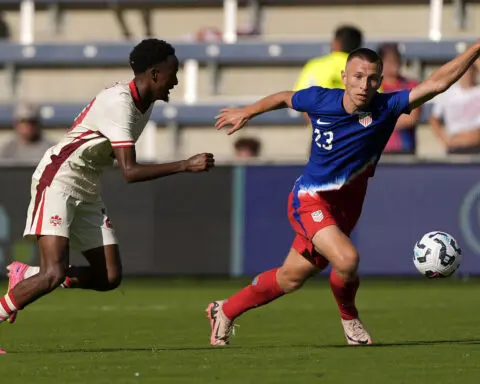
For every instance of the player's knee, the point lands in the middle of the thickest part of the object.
(347, 262)
(111, 282)
(114, 281)
(53, 276)
(289, 281)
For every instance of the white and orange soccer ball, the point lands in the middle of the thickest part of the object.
(437, 254)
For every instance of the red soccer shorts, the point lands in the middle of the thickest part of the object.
(309, 213)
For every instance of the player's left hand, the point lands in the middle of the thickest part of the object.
(236, 117)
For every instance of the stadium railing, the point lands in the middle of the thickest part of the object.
(58, 7)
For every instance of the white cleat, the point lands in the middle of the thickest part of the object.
(355, 332)
(222, 327)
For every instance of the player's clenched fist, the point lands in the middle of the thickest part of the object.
(200, 163)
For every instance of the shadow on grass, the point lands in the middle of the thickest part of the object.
(408, 343)
(412, 343)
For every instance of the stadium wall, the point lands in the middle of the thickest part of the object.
(233, 221)
(404, 202)
(179, 225)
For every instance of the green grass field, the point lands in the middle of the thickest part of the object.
(155, 331)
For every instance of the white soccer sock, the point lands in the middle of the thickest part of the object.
(31, 271)
(7, 306)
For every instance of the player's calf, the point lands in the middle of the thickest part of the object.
(51, 278)
(91, 278)
(36, 286)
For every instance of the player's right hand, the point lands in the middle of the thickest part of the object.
(200, 163)
(236, 117)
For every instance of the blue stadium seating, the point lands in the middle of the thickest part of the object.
(242, 53)
(62, 115)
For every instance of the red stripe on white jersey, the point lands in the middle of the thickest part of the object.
(51, 169)
(81, 116)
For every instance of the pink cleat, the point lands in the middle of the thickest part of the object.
(16, 273)
(2, 352)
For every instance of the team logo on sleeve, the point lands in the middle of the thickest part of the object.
(365, 118)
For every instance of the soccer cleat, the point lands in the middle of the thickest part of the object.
(16, 273)
(222, 327)
(2, 352)
(355, 332)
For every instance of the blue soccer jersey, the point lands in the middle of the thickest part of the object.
(345, 145)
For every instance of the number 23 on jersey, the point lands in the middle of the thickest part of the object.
(323, 139)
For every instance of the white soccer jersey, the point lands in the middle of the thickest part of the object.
(114, 119)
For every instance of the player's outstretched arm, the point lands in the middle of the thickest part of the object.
(238, 117)
(135, 172)
(440, 80)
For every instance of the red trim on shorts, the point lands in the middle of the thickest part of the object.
(123, 146)
(136, 97)
(51, 169)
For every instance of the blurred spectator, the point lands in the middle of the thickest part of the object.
(325, 71)
(4, 29)
(455, 116)
(403, 136)
(28, 146)
(247, 147)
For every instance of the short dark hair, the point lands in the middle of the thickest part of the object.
(385, 48)
(366, 54)
(148, 53)
(251, 143)
(349, 38)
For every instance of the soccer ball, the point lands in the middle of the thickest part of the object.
(437, 254)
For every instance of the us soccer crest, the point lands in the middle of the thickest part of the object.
(365, 118)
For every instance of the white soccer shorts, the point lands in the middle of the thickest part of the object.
(52, 212)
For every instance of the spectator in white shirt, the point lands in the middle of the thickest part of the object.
(455, 116)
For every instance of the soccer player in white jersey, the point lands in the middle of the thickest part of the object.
(66, 208)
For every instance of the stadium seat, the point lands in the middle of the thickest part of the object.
(201, 115)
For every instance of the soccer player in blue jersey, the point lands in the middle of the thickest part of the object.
(350, 130)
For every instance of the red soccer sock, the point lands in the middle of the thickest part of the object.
(263, 289)
(345, 295)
